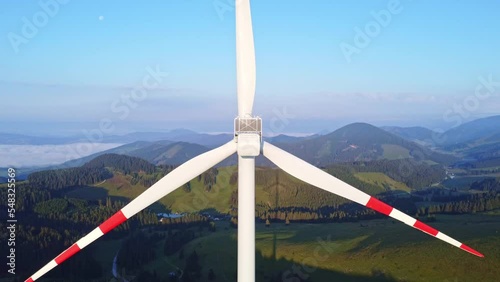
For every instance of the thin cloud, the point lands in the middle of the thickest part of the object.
(43, 155)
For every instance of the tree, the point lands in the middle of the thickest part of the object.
(192, 270)
(211, 226)
(187, 187)
(211, 275)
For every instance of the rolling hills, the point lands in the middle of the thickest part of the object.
(126, 177)
(354, 142)
(159, 152)
(361, 142)
(417, 134)
(478, 131)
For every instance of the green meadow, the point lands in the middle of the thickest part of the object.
(375, 250)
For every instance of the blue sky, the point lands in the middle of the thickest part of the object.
(416, 68)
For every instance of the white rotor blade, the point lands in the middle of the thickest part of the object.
(317, 177)
(176, 178)
(245, 58)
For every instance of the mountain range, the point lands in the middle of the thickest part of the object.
(479, 139)
(476, 142)
(354, 142)
(483, 130)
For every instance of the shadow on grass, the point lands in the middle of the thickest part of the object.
(91, 193)
(273, 269)
(283, 270)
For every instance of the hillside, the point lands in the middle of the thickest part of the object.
(216, 189)
(122, 150)
(476, 144)
(122, 163)
(360, 142)
(160, 153)
(97, 170)
(417, 134)
(163, 152)
(476, 131)
(282, 138)
(125, 177)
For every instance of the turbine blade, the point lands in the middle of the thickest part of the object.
(167, 184)
(245, 58)
(317, 177)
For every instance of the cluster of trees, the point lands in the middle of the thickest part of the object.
(26, 196)
(147, 180)
(176, 240)
(122, 163)
(482, 163)
(81, 268)
(286, 192)
(343, 213)
(347, 212)
(209, 178)
(489, 185)
(475, 203)
(70, 177)
(192, 269)
(49, 223)
(481, 171)
(137, 250)
(187, 220)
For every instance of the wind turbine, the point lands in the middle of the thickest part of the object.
(248, 144)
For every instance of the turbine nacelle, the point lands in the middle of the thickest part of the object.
(248, 135)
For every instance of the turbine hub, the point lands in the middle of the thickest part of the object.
(248, 135)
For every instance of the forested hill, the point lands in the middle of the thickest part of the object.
(62, 178)
(122, 163)
(361, 142)
(96, 170)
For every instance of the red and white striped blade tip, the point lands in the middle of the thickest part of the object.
(471, 250)
(386, 209)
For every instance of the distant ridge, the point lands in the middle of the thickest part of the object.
(479, 130)
(360, 142)
(474, 131)
(169, 154)
(161, 152)
(415, 133)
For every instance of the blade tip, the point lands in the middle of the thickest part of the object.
(471, 250)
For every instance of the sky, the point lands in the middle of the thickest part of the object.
(69, 66)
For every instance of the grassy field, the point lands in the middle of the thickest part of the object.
(376, 250)
(198, 199)
(382, 180)
(395, 152)
(119, 187)
(462, 183)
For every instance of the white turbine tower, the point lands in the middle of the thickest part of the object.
(248, 144)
